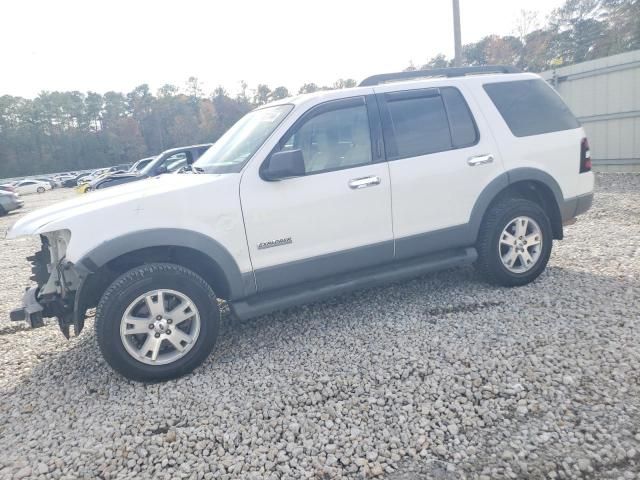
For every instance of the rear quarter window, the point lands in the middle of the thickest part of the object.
(530, 107)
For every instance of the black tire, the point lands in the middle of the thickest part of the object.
(489, 263)
(138, 281)
(2, 211)
(40, 190)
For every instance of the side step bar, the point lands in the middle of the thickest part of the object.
(268, 302)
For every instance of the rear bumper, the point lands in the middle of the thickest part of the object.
(576, 206)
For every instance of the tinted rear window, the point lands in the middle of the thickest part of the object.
(420, 126)
(463, 128)
(530, 107)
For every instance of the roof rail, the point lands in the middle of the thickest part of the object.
(436, 72)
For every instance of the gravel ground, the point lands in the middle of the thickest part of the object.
(440, 377)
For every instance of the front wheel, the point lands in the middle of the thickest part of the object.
(514, 243)
(40, 190)
(157, 322)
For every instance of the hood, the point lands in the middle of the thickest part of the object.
(41, 220)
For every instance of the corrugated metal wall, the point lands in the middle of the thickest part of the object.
(605, 96)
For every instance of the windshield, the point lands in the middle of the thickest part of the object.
(161, 163)
(241, 141)
(140, 164)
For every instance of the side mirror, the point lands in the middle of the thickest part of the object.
(161, 170)
(285, 164)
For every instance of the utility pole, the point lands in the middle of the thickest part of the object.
(457, 39)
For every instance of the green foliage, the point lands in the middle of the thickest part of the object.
(578, 31)
(261, 95)
(345, 83)
(308, 88)
(58, 131)
(279, 93)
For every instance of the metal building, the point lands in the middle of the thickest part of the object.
(605, 96)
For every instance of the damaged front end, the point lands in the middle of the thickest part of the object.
(57, 283)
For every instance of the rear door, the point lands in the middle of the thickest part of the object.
(441, 157)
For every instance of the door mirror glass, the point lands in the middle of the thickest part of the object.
(289, 163)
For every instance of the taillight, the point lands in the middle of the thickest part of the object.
(585, 156)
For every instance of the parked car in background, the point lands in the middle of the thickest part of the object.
(140, 164)
(168, 161)
(62, 178)
(7, 188)
(27, 186)
(92, 176)
(9, 201)
(50, 181)
(89, 186)
(73, 181)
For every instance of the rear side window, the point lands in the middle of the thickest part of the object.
(420, 126)
(463, 128)
(429, 121)
(530, 107)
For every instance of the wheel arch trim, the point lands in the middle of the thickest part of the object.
(510, 177)
(239, 286)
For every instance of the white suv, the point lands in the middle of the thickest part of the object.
(312, 196)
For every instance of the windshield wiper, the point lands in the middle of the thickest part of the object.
(195, 169)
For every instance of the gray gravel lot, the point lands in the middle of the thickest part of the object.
(439, 377)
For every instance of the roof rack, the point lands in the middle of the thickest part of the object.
(436, 72)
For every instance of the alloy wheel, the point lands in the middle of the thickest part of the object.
(160, 327)
(520, 244)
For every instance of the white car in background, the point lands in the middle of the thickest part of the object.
(25, 187)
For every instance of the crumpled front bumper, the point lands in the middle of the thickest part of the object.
(31, 310)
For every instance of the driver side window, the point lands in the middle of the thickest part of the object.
(333, 140)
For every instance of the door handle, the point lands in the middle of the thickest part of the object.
(480, 160)
(363, 182)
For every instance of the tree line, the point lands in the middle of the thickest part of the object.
(61, 131)
(578, 31)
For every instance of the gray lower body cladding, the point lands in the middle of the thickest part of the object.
(575, 206)
(336, 284)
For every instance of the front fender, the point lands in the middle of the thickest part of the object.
(239, 285)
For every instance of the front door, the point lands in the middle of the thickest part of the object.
(337, 216)
(27, 187)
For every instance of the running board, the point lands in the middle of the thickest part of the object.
(268, 302)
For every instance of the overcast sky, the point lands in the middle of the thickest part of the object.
(118, 44)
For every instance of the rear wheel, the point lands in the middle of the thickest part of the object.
(514, 243)
(157, 322)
